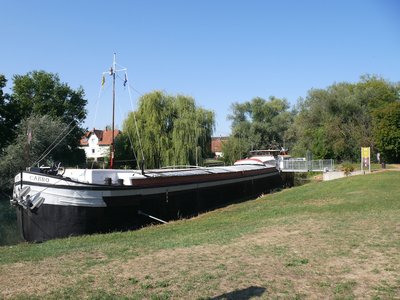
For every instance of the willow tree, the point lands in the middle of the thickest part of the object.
(170, 130)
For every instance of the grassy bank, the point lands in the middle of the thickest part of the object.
(8, 224)
(337, 239)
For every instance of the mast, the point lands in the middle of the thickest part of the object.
(113, 71)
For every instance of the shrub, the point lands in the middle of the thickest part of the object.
(347, 168)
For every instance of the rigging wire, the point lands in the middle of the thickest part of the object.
(134, 117)
(48, 149)
(131, 143)
(98, 101)
(54, 144)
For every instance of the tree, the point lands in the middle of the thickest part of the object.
(257, 124)
(35, 136)
(321, 125)
(387, 131)
(191, 132)
(337, 121)
(175, 131)
(6, 114)
(40, 93)
(124, 154)
(234, 149)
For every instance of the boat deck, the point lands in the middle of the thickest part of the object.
(97, 176)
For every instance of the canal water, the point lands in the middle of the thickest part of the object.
(9, 234)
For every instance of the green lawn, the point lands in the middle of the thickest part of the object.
(337, 240)
(374, 166)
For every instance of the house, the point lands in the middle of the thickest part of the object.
(96, 144)
(216, 146)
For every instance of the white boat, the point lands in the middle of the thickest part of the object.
(56, 203)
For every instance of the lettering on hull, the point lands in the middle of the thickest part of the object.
(39, 178)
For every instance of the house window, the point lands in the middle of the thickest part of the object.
(93, 151)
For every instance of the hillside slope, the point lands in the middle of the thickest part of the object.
(337, 239)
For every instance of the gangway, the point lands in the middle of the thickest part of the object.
(302, 165)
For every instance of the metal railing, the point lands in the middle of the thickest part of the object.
(300, 165)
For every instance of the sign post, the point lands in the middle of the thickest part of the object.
(366, 159)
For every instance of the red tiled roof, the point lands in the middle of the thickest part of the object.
(216, 143)
(107, 137)
(104, 136)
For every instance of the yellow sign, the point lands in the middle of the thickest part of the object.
(365, 158)
(365, 152)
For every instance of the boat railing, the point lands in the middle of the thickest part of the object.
(181, 167)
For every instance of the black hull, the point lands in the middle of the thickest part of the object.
(122, 213)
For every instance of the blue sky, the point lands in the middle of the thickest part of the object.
(218, 52)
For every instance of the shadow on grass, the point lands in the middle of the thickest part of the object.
(243, 294)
